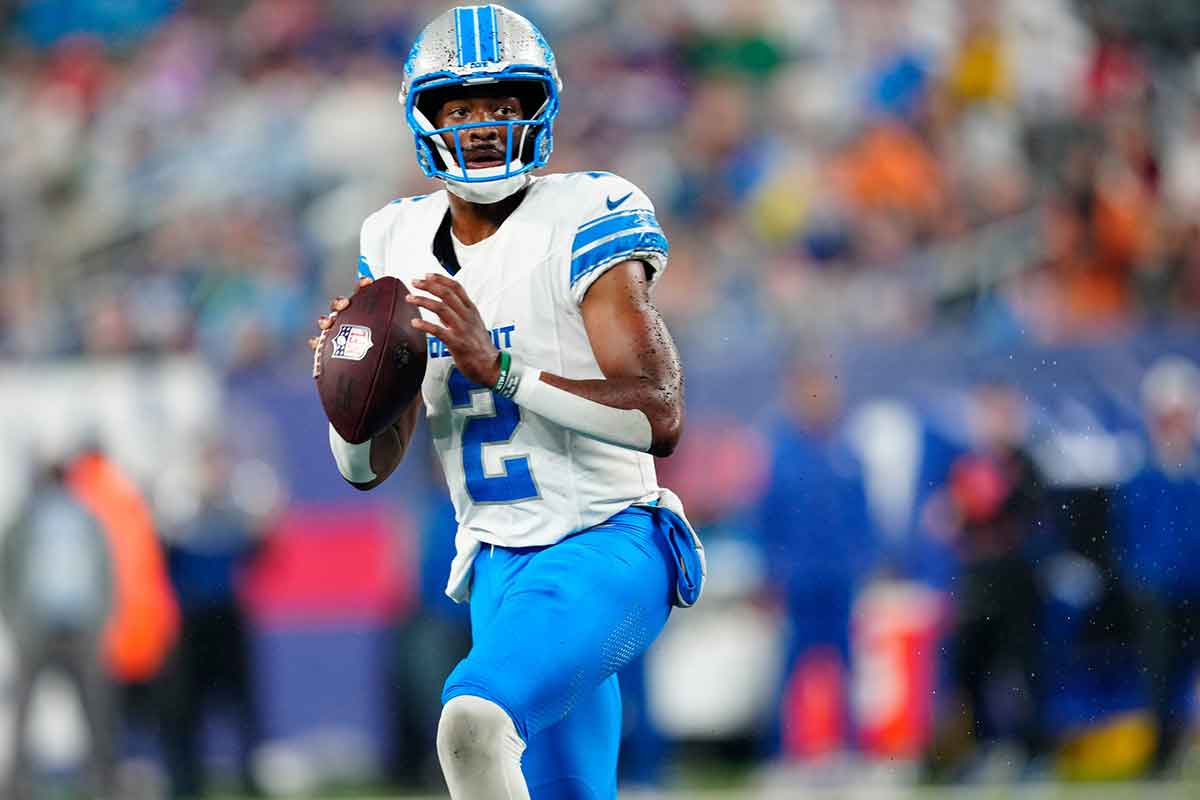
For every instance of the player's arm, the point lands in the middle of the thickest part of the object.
(639, 402)
(635, 352)
(366, 465)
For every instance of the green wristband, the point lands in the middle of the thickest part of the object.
(505, 367)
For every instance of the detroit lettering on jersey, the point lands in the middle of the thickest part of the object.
(501, 338)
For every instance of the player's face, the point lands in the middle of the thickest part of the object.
(484, 146)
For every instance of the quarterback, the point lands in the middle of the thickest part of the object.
(551, 383)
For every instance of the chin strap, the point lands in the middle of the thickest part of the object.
(489, 191)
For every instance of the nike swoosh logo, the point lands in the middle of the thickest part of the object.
(614, 204)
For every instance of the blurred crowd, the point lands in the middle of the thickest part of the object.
(186, 176)
(1060, 636)
(146, 625)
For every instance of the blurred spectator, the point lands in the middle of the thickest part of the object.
(213, 657)
(980, 71)
(194, 172)
(819, 547)
(56, 578)
(994, 513)
(145, 619)
(1158, 524)
(47, 21)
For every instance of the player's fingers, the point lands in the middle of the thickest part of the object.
(325, 322)
(448, 296)
(313, 341)
(339, 303)
(430, 284)
(450, 292)
(458, 290)
(445, 313)
(430, 327)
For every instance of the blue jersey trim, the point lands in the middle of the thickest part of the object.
(597, 229)
(592, 222)
(364, 269)
(619, 249)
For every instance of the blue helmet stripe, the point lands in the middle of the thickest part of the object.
(468, 42)
(606, 226)
(619, 249)
(486, 16)
(458, 33)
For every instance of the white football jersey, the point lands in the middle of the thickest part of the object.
(516, 478)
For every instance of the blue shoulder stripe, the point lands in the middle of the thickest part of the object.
(623, 247)
(364, 269)
(607, 225)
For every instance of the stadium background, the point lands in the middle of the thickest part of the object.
(882, 213)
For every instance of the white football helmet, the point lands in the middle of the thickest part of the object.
(478, 46)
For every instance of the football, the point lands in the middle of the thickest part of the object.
(370, 363)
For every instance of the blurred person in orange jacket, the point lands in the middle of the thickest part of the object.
(145, 618)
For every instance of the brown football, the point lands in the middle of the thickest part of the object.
(372, 361)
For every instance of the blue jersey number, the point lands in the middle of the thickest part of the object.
(516, 482)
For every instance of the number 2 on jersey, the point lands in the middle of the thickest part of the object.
(516, 481)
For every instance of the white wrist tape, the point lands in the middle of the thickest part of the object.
(625, 427)
(353, 460)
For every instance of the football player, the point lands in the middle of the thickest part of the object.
(551, 383)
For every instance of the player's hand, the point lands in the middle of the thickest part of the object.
(325, 321)
(462, 330)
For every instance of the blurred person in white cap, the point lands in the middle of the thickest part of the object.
(1157, 523)
(56, 592)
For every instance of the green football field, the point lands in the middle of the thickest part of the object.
(1039, 791)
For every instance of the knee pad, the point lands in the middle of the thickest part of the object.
(479, 749)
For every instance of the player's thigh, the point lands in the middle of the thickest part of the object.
(572, 616)
(576, 758)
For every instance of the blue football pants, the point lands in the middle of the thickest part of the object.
(551, 626)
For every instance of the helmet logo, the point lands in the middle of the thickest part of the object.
(476, 33)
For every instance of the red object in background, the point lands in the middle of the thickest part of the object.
(1115, 75)
(334, 564)
(720, 466)
(814, 707)
(80, 65)
(895, 636)
(979, 488)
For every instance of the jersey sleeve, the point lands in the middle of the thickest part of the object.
(371, 241)
(616, 223)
